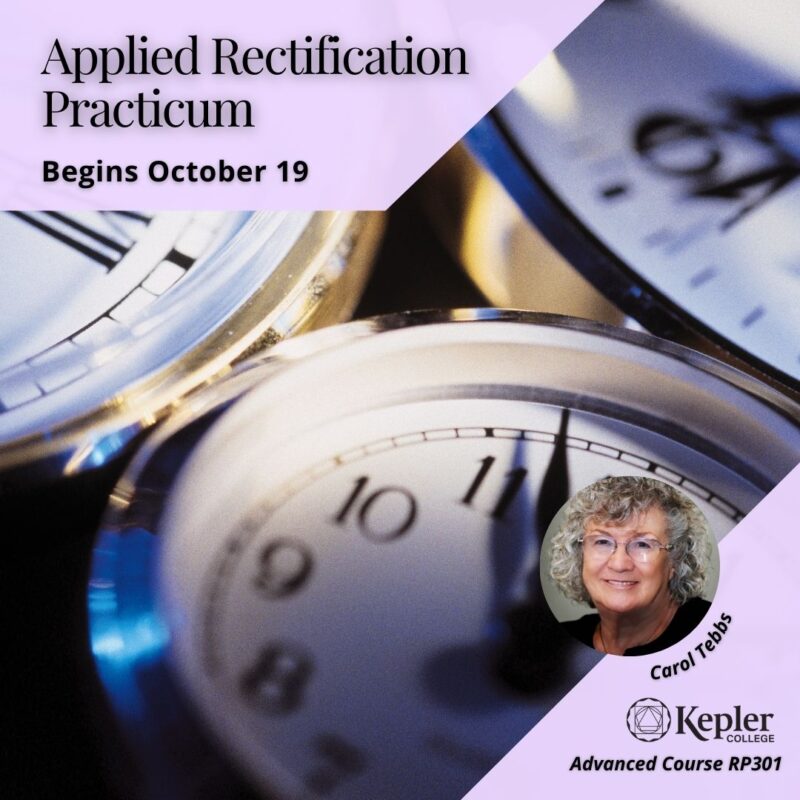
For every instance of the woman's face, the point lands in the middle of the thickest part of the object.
(618, 583)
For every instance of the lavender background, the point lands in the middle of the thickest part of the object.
(366, 139)
(756, 666)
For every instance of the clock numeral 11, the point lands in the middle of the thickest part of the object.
(513, 483)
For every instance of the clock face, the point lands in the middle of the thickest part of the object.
(669, 133)
(75, 273)
(76, 290)
(379, 595)
(343, 585)
(110, 316)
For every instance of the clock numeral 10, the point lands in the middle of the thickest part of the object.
(513, 483)
(381, 515)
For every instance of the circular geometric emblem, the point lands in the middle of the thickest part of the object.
(648, 719)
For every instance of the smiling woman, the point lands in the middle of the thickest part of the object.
(638, 551)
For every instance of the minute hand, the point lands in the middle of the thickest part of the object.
(533, 658)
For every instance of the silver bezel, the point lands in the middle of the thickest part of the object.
(526, 174)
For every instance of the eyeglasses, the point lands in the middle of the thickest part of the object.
(600, 547)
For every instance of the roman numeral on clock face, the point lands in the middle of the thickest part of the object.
(104, 237)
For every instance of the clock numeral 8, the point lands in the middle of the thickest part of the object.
(275, 683)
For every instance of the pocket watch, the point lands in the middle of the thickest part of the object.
(319, 578)
(108, 318)
(657, 151)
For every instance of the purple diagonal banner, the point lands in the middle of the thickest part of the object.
(353, 140)
(733, 711)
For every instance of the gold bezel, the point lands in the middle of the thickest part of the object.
(317, 283)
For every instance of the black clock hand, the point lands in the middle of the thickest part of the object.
(533, 657)
(457, 676)
(96, 235)
(554, 491)
(510, 545)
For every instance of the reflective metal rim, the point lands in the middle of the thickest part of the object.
(494, 147)
(318, 283)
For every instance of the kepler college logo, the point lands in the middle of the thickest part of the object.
(648, 719)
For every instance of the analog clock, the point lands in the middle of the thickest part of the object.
(108, 318)
(320, 578)
(657, 150)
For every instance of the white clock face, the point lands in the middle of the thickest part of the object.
(349, 610)
(71, 271)
(83, 296)
(344, 578)
(671, 131)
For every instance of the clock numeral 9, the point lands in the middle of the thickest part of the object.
(382, 515)
(276, 682)
(284, 565)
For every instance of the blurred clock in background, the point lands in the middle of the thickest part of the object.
(655, 158)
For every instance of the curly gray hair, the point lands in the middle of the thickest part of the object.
(617, 500)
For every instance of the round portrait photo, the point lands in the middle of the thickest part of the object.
(629, 566)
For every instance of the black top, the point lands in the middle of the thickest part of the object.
(686, 619)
